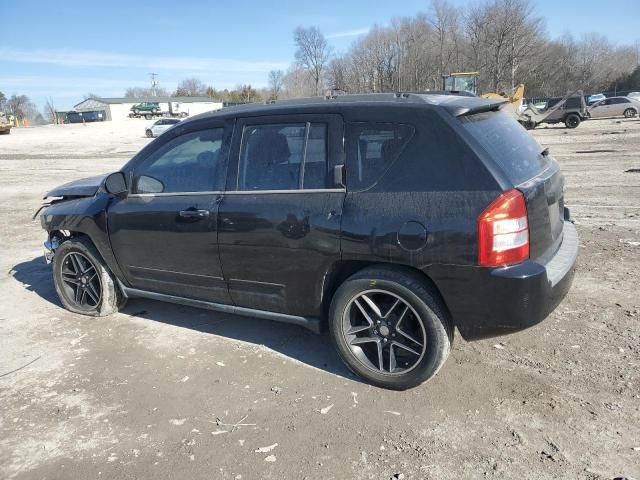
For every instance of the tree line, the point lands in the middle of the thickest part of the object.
(503, 40)
(194, 87)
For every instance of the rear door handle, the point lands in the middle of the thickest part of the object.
(193, 213)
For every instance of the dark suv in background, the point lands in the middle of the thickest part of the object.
(389, 219)
(571, 113)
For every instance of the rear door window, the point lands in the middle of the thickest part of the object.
(371, 149)
(508, 144)
(285, 156)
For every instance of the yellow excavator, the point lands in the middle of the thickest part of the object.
(468, 82)
(528, 117)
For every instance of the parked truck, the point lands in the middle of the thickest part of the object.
(150, 110)
(147, 110)
(5, 124)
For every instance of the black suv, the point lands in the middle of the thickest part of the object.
(388, 219)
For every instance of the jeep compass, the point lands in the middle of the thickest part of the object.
(387, 220)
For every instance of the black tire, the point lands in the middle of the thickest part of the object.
(424, 306)
(572, 120)
(630, 113)
(148, 117)
(149, 133)
(110, 298)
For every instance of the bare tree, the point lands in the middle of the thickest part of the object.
(298, 82)
(191, 87)
(145, 92)
(3, 102)
(312, 52)
(21, 107)
(444, 21)
(276, 82)
(50, 111)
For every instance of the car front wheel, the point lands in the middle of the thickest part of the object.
(149, 133)
(83, 281)
(390, 328)
(630, 112)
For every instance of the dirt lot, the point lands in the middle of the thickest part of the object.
(161, 391)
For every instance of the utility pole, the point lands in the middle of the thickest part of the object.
(154, 84)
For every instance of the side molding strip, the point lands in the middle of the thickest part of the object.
(310, 323)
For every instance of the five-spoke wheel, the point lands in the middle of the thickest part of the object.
(384, 332)
(390, 327)
(81, 281)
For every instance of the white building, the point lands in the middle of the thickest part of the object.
(117, 109)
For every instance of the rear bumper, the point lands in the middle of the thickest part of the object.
(487, 302)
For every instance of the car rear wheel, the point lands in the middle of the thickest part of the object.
(148, 116)
(630, 112)
(572, 121)
(390, 328)
(83, 281)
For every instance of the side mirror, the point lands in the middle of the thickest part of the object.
(115, 183)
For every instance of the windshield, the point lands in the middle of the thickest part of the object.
(508, 143)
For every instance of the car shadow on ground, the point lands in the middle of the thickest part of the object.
(292, 341)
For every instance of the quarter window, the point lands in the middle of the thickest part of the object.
(371, 149)
(188, 163)
(287, 156)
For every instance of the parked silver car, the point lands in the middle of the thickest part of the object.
(634, 96)
(161, 126)
(614, 107)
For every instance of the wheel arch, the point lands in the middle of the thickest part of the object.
(345, 269)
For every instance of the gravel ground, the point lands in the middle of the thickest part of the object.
(163, 391)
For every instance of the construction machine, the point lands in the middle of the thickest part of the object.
(461, 82)
(5, 124)
(560, 110)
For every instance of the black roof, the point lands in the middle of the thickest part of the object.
(456, 104)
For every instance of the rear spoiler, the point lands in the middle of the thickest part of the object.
(480, 107)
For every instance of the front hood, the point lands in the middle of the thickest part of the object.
(85, 187)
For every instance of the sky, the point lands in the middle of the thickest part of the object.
(66, 49)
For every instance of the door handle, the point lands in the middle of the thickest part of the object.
(193, 213)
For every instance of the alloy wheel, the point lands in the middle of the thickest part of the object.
(81, 281)
(384, 332)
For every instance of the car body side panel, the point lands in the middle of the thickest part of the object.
(87, 216)
(437, 183)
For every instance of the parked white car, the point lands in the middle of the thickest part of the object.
(614, 107)
(595, 98)
(160, 126)
(634, 96)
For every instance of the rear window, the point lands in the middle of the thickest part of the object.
(508, 144)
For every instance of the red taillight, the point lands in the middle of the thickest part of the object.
(503, 231)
